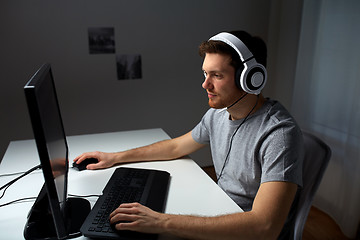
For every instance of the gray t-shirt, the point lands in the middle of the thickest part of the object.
(268, 146)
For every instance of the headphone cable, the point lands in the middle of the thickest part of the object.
(232, 137)
(244, 95)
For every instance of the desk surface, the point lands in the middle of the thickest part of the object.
(191, 190)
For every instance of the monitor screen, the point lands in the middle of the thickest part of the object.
(50, 138)
(49, 128)
(53, 215)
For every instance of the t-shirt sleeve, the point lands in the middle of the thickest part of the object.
(282, 155)
(200, 132)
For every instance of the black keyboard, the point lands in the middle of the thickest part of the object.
(126, 185)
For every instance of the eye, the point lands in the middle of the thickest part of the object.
(205, 74)
(218, 76)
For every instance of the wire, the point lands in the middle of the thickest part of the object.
(84, 196)
(10, 174)
(34, 198)
(244, 95)
(2, 195)
(7, 185)
(17, 200)
(232, 138)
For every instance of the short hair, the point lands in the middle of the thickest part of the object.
(255, 44)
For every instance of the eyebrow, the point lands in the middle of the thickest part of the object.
(214, 71)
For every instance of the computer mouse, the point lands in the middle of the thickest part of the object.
(82, 166)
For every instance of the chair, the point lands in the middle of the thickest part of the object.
(316, 158)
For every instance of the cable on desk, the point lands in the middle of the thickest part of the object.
(34, 198)
(10, 174)
(84, 196)
(7, 185)
(17, 200)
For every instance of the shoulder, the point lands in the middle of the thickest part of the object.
(214, 115)
(273, 115)
(277, 126)
(276, 111)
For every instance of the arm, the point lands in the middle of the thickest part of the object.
(265, 220)
(163, 150)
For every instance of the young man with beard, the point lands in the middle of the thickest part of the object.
(256, 149)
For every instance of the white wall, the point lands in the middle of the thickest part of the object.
(165, 33)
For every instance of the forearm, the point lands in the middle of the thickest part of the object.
(136, 217)
(163, 150)
(265, 220)
(234, 226)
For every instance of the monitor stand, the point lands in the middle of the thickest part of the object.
(40, 223)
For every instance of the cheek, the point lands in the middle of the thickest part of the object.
(232, 91)
(228, 86)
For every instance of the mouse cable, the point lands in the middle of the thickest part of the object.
(7, 185)
(84, 196)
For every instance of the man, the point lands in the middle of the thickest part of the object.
(256, 148)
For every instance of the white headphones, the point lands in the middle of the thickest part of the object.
(253, 77)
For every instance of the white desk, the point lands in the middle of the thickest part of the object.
(191, 190)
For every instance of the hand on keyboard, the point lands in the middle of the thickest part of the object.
(136, 217)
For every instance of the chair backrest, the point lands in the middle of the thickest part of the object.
(316, 158)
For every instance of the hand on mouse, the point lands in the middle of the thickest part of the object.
(105, 160)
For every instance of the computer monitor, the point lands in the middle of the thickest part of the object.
(53, 214)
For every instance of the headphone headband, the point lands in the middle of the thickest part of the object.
(235, 43)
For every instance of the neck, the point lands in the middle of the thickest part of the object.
(242, 108)
(242, 96)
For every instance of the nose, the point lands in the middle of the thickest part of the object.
(207, 83)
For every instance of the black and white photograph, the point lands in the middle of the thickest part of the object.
(101, 40)
(128, 66)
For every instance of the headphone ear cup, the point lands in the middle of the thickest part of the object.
(253, 78)
(238, 78)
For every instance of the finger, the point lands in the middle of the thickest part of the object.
(122, 214)
(130, 205)
(84, 156)
(99, 165)
(91, 166)
(130, 225)
(77, 158)
(125, 208)
(80, 158)
(94, 166)
(123, 218)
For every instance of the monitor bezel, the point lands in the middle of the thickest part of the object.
(57, 206)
